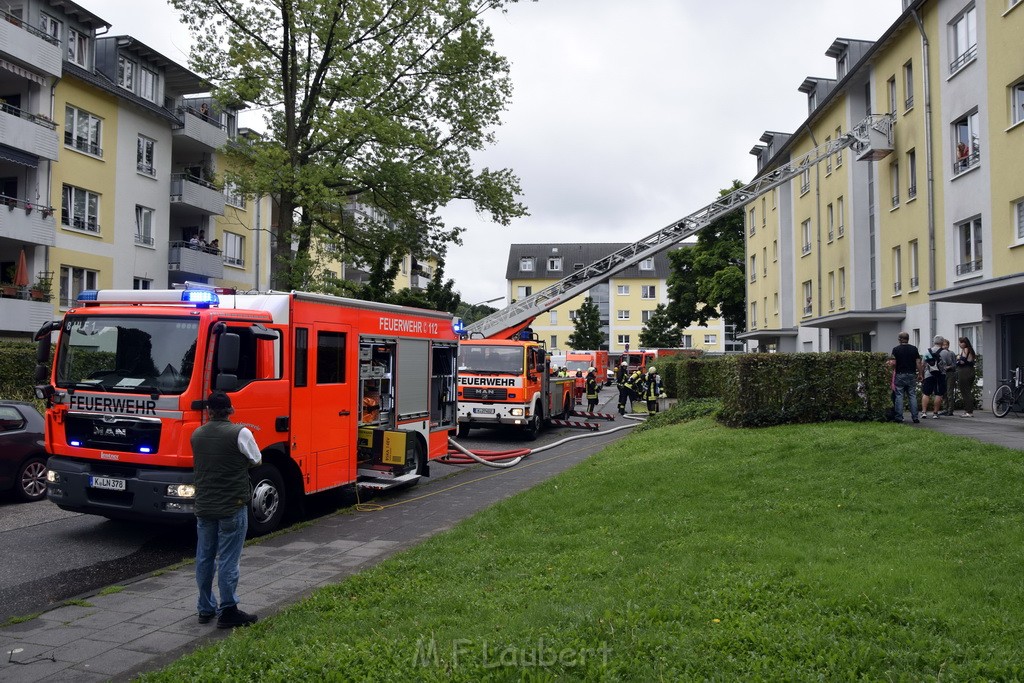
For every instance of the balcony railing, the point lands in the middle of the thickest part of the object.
(145, 240)
(79, 223)
(38, 119)
(895, 200)
(897, 287)
(842, 302)
(914, 282)
(908, 103)
(753, 277)
(968, 267)
(841, 230)
(966, 161)
(20, 23)
(808, 309)
(806, 249)
(964, 57)
(831, 235)
(831, 304)
(911, 191)
(82, 144)
(238, 261)
(195, 259)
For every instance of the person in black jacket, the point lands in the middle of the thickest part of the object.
(909, 369)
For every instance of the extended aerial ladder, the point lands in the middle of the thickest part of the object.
(871, 139)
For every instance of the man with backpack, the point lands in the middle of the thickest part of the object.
(936, 360)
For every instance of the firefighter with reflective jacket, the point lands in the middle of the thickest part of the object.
(653, 389)
(624, 385)
(592, 389)
(637, 388)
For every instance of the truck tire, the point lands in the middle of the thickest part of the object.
(267, 507)
(533, 426)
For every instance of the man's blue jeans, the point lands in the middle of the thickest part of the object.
(219, 547)
(906, 382)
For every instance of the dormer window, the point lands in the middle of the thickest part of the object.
(126, 73)
(647, 264)
(526, 264)
(555, 263)
(78, 48)
(812, 101)
(842, 66)
(147, 84)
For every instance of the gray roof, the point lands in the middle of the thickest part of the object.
(575, 256)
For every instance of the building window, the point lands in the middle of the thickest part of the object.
(50, 26)
(753, 267)
(554, 342)
(764, 212)
(828, 159)
(74, 281)
(142, 283)
(710, 338)
(830, 221)
(842, 66)
(83, 131)
(908, 86)
(80, 209)
(966, 134)
(623, 339)
(812, 101)
(526, 265)
(775, 251)
(555, 263)
(805, 237)
(831, 290)
(645, 316)
(147, 84)
(524, 291)
(890, 89)
(805, 181)
(234, 249)
(764, 261)
(686, 342)
(235, 198)
(752, 323)
(126, 73)
(912, 255)
(897, 270)
(647, 292)
(911, 174)
(969, 247)
(775, 303)
(964, 39)
(144, 156)
(143, 225)
(894, 182)
(839, 154)
(573, 315)
(842, 287)
(552, 317)
(622, 314)
(647, 264)
(1018, 213)
(1017, 114)
(622, 290)
(808, 298)
(752, 222)
(78, 48)
(840, 220)
(973, 333)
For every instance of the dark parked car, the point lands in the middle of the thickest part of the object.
(22, 456)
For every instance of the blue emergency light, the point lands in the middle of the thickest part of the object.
(203, 297)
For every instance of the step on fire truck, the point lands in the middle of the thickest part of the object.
(508, 382)
(336, 391)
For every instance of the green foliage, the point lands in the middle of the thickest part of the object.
(700, 377)
(587, 332)
(683, 411)
(693, 552)
(707, 279)
(382, 103)
(762, 389)
(660, 332)
(17, 370)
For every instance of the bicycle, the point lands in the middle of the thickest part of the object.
(1008, 395)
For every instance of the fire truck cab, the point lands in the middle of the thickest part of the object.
(336, 392)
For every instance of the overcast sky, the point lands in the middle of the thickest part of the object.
(626, 116)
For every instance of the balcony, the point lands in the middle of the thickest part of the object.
(184, 258)
(28, 133)
(21, 220)
(201, 195)
(966, 160)
(969, 267)
(198, 132)
(29, 45)
(20, 314)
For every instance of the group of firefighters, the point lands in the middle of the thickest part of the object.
(635, 386)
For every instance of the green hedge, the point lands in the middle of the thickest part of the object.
(17, 370)
(762, 389)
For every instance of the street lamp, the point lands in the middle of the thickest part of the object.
(489, 301)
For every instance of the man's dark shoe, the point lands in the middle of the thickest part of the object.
(232, 617)
(206, 618)
(916, 421)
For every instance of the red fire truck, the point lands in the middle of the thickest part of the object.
(336, 391)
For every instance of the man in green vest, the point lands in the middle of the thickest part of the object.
(222, 453)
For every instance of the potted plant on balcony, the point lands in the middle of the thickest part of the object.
(40, 290)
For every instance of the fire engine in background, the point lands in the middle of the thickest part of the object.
(637, 360)
(508, 382)
(336, 391)
(584, 360)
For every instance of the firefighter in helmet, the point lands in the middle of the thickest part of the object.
(593, 388)
(653, 389)
(624, 386)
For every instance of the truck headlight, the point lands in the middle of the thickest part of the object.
(181, 491)
(516, 412)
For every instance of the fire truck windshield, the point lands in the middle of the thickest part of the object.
(126, 354)
(496, 359)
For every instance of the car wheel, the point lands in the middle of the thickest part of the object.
(31, 484)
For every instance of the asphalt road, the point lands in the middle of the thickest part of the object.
(51, 556)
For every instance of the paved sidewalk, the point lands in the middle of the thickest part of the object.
(984, 426)
(153, 620)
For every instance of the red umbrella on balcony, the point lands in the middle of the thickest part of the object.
(21, 274)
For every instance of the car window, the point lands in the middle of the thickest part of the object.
(10, 419)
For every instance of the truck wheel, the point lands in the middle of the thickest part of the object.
(266, 510)
(463, 430)
(533, 426)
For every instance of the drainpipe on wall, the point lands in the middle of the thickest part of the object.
(817, 232)
(930, 171)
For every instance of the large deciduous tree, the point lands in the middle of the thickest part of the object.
(382, 101)
(660, 332)
(707, 279)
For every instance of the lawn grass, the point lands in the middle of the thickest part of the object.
(836, 551)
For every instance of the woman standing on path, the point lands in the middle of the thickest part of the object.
(965, 374)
